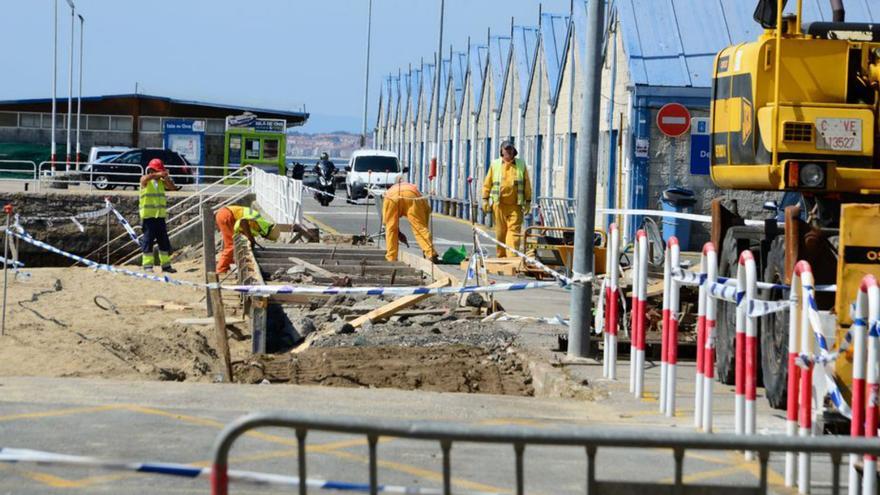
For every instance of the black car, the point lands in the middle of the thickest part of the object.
(125, 170)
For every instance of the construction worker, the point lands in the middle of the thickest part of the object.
(153, 212)
(404, 200)
(507, 193)
(234, 220)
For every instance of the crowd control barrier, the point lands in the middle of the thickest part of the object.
(589, 440)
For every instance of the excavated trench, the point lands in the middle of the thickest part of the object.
(433, 345)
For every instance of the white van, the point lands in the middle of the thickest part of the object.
(371, 169)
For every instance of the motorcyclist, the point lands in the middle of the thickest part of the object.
(325, 167)
(327, 170)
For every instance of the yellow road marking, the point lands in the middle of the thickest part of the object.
(321, 225)
(58, 412)
(417, 471)
(710, 474)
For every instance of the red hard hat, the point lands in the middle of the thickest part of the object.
(157, 165)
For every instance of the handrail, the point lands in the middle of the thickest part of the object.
(240, 173)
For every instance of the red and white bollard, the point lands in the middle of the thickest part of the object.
(794, 371)
(800, 392)
(612, 303)
(872, 382)
(748, 273)
(639, 315)
(867, 311)
(664, 324)
(709, 266)
(672, 329)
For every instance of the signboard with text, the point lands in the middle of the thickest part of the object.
(700, 146)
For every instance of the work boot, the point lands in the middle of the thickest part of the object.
(168, 269)
(147, 268)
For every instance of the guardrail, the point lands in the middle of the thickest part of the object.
(586, 438)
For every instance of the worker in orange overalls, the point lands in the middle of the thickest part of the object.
(507, 193)
(233, 220)
(404, 200)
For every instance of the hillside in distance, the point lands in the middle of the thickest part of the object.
(336, 144)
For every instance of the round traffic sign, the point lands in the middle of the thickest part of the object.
(673, 119)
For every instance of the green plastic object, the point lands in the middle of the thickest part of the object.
(454, 255)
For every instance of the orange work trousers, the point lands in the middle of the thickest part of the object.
(225, 221)
(400, 201)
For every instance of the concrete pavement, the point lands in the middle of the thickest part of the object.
(178, 422)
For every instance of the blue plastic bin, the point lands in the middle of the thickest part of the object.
(682, 201)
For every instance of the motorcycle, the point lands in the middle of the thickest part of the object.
(325, 189)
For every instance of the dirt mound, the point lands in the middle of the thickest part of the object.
(438, 368)
(55, 328)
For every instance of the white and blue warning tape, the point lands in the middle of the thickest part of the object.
(16, 456)
(125, 225)
(528, 259)
(287, 289)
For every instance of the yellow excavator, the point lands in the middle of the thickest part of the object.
(796, 111)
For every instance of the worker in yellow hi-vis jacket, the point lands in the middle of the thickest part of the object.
(404, 200)
(507, 192)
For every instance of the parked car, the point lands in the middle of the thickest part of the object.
(125, 170)
(98, 153)
(371, 169)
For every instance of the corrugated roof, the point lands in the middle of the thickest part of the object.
(428, 88)
(445, 75)
(499, 55)
(525, 46)
(479, 56)
(395, 99)
(674, 42)
(554, 36)
(459, 72)
(163, 99)
(415, 89)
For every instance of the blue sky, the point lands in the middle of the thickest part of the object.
(270, 53)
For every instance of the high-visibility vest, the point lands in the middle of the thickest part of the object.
(263, 225)
(152, 201)
(520, 181)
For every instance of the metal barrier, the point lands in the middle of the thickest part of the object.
(557, 212)
(18, 170)
(586, 438)
(280, 197)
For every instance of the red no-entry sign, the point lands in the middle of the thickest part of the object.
(674, 119)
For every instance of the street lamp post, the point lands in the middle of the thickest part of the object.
(367, 75)
(80, 89)
(435, 165)
(54, 80)
(70, 82)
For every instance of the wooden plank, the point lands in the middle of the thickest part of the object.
(221, 339)
(388, 310)
(317, 270)
(425, 266)
(208, 321)
(259, 311)
(208, 248)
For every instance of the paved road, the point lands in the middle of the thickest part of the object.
(178, 422)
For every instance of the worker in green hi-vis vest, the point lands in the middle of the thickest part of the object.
(153, 210)
(508, 188)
